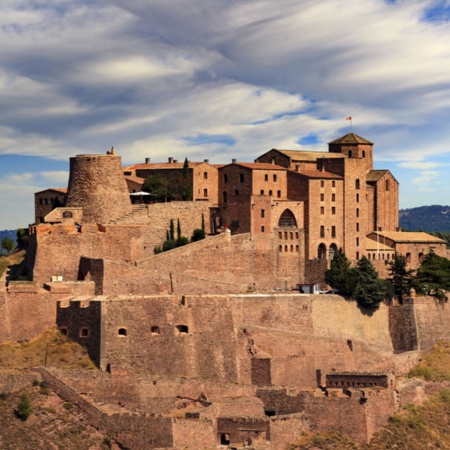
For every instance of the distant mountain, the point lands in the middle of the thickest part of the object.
(426, 218)
(9, 234)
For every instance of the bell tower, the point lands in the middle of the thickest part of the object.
(354, 146)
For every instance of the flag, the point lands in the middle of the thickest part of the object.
(348, 118)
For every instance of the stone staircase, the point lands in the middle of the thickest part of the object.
(136, 210)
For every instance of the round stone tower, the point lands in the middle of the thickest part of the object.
(97, 184)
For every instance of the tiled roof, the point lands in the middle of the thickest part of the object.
(351, 138)
(375, 175)
(135, 179)
(318, 174)
(259, 166)
(301, 155)
(62, 190)
(373, 245)
(408, 236)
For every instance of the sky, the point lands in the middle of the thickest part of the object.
(221, 79)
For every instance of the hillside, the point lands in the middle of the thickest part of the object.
(426, 218)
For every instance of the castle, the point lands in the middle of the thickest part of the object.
(197, 347)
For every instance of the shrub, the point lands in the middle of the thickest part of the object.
(24, 408)
(198, 235)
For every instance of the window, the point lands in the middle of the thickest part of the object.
(322, 183)
(224, 197)
(261, 192)
(64, 331)
(84, 332)
(67, 215)
(387, 185)
(236, 192)
(287, 219)
(357, 198)
(241, 177)
(322, 210)
(322, 197)
(357, 226)
(274, 161)
(333, 197)
(41, 201)
(205, 175)
(408, 258)
(155, 330)
(280, 235)
(262, 229)
(333, 231)
(279, 194)
(322, 231)
(357, 184)
(350, 153)
(333, 210)
(266, 177)
(296, 235)
(333, 183)
(122, 332)
(332, 251)
(291, 235)
(357, 255)
(225, 178)
(275, 177)
(205, 192)
(45, 201)
(296, 248)
(263, 213)
(292, 248)
(182, 329)
(270, 192)
(363, 153)
(357, 241)
(322, 252)
(280, 248)
(357, 212)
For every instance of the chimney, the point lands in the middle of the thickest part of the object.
(147, 160)
(234, 160)
(170, 159)
(206, 161)
(175, 160)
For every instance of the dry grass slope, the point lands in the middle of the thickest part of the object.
(49, 349)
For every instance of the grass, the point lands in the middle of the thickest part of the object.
(415, 427)
(51, 348)
(15, 263)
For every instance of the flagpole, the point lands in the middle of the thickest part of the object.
(351, 124)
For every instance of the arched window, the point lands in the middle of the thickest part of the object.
(408, 258)
(357, 212)
(182, 329)
(363, 153)
(357, 184)
(322, 252)
(420, 257)
(350, 153)
(387, 185)
(154, 329)
(332, 251)
(84, 332)
(357, 198)
(122, 331)
(287, 219)
(224, 197)
(67, 215)
(280, 248)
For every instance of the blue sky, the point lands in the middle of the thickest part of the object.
(221, 80)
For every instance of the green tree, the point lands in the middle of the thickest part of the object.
(22, 238)
(186, 185)
(24, 408)
(8, 245)
(172, 230)
(433, 275)
(369, 290)
(401, 278)
(340, 275)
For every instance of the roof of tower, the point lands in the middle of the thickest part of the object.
(407, 236)
(351, 138)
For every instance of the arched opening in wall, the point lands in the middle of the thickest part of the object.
(155, 330)
(420, 257)
(408, 258)
(357, 198)
(292, 248)
(122, 332)
(64, 331)
(280, 248)
(285, 248)
(287, 219)
(182, 329)
(363, 153)
(297, 248)
(368, 256)
(84, 332)
(387, 185)
(357, 184)
(357, 255)
(217, 222)
(350, 153)
(322, 252)
(108, 368)
(67, 215)
(332, 251)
